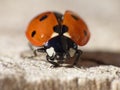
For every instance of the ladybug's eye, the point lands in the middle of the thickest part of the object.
(43, 17)
(33, 33)
(75, 17)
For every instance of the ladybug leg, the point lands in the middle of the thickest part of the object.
(40, 49)
(51, 60)
(77, 56)
(67, 55)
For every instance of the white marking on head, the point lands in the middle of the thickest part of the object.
(54, 34)
(50, 51)
(72, 52)
(67, 34)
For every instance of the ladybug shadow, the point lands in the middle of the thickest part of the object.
(96, 58)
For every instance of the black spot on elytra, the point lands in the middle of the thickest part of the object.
(85, 33)
(75, 17)
(57, 29)
(64, 28)
(43, 18)
(33, 33)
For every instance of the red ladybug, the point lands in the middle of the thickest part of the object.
(57, 34)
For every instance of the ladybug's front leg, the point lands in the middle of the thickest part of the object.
(77, 56)
(51, 56)
(51, 60)
(35, 50)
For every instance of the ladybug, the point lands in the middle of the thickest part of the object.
(58, 34)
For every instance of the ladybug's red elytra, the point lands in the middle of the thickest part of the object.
(57, 34)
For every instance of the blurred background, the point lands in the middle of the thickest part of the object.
(101, 16)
